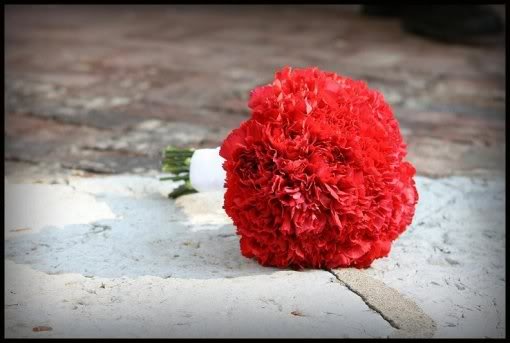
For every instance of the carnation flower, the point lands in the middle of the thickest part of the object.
(316, 177)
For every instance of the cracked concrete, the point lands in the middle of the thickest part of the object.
(401, 313)
(451, 261)
(267, 305)
(122, 260)
(152, 270)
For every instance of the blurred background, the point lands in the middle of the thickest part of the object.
(103, 89)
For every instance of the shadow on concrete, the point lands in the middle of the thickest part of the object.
(150, 235)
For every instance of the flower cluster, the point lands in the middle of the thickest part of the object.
(316, 177)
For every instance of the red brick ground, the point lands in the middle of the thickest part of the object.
(104, 89)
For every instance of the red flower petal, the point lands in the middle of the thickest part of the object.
(316, 177)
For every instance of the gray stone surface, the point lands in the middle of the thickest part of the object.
(451, 261)
(112, 256)
(115, 258)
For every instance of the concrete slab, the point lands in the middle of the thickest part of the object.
(134, 264)
(451, 261)
(274, 304)
(137, 264)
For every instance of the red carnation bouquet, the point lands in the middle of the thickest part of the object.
(315, 178)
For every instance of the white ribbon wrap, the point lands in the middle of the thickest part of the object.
(206, 173)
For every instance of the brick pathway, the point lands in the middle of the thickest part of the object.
(103, 89)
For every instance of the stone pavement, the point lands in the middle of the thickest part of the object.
(92, 91)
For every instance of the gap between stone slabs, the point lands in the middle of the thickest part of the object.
(401, 313)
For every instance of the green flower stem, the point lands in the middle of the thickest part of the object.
(177, 152)
(177, 161)
(175, 178)
(181, 190)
